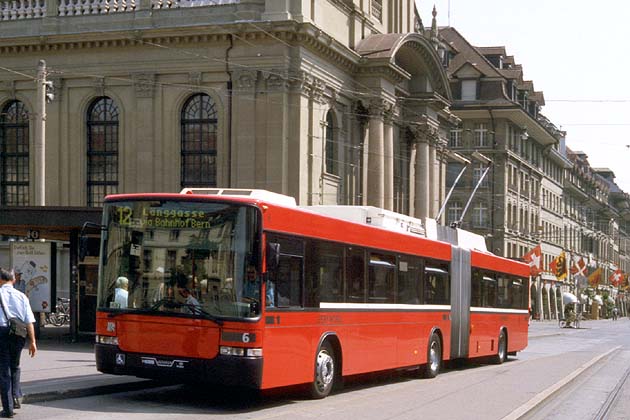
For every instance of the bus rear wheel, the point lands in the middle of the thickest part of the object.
(434, 357)
(501, 355)
(324, 379)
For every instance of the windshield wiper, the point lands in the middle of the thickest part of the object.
(195, 309)
(167, 302)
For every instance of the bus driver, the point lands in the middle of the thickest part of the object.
(251, 287)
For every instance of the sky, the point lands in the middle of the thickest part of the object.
(575, 51)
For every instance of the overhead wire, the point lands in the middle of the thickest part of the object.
(368, 92)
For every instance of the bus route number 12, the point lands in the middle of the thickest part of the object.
(124, 215)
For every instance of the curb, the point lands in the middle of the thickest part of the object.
(91, 391)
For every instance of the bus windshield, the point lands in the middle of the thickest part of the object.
(188, 258)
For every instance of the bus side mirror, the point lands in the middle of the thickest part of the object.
(273, 255)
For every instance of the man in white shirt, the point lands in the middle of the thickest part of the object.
(120, 292)
(15, 304)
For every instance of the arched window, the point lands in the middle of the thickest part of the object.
(331, 155)
(199, 142)
(102, 150)
(14, 155)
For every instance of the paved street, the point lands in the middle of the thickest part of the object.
(63, 370)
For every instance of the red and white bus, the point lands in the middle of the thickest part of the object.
(243, 287)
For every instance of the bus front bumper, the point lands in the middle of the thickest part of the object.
(222, 370)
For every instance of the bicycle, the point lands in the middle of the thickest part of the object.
(61, 315)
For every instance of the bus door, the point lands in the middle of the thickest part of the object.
(460, 302)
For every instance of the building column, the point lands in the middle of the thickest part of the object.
(144, 163)
(242, 167)
(299, 121)
(434, 181)
(276, 138)
(376, 157)
(388, 172)
(421, 207)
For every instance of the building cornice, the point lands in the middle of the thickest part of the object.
(290, 32)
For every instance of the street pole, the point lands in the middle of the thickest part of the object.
(40, 136)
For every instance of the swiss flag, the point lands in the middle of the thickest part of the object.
(579, 268)
(534, 259)
(616, 278)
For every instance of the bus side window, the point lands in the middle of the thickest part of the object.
(489, 291)
(518, 293)
(503, 296)
(475, 296)
(355, 275)
(409, 280)
(381, 278)
(324, 273)
(437, 285)
(288, 281)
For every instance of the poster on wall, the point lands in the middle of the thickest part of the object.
(33, 261)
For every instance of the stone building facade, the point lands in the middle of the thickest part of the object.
(331, 102)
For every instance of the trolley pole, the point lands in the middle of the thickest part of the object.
(40, 136)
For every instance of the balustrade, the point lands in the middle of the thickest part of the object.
(22, 9)
(33, 9)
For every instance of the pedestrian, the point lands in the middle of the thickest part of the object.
(14, 304)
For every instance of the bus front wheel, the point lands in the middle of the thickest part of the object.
(434, 357)
(324, 372)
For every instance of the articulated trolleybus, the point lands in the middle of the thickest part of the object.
(244, 288)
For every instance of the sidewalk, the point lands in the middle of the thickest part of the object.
(66, 369)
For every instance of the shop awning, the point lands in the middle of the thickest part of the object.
(569, 298)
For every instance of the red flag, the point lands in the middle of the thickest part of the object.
(534, 259)
(558, 266)
(616, 278)
(579, 268)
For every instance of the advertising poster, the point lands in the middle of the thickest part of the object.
(33, 260)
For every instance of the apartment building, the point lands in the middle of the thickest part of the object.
(536, 191)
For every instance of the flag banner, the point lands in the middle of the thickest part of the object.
(534, 259)
(616, 278)
(558, 266)
(579, 267)
(595, 277)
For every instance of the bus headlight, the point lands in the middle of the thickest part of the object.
(106, 339)
(240, 351)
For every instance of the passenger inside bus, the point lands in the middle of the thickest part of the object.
(190, 302)
(120, 293)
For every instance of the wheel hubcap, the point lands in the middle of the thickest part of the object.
(433, 356)
(325, 370)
